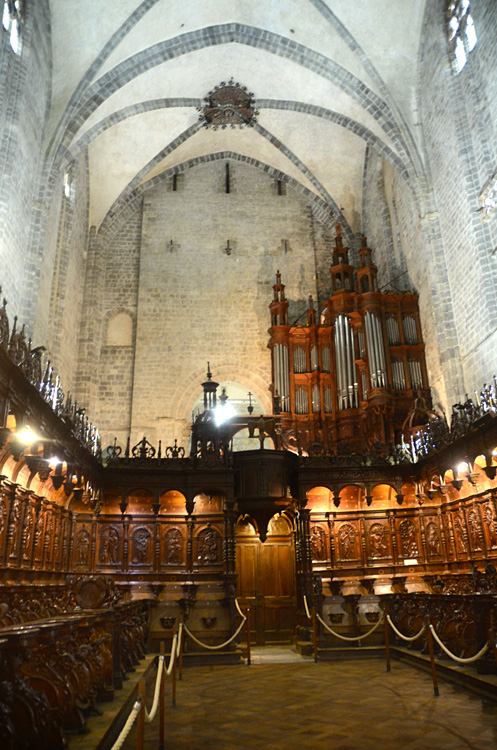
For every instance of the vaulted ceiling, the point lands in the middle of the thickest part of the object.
(329, 78)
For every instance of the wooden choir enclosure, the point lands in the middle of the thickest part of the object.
(357, 497)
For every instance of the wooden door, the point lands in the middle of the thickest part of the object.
(266, 582)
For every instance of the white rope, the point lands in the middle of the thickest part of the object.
(348, 638)
(306, 608)
(172, 657)
(127, 727)
(405, 637)
(221, 645)
(149, 717)
(453, 656)
(238, 608)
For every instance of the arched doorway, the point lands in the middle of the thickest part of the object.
(266, 578)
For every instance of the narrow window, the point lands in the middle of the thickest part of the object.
(12, 17)
(175, 182)
(227, 177)
(461, 32)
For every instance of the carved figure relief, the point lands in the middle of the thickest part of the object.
(140, 541)
(377, 541)
(48, 535)
(433, 539)
(346, 541)
(408, 539)
(28, 533)
(3, 515)
(83, 547)
(38, 536)
(318, 543)
(475, 529)
(14, 525)
(208, 551)
(459, 527)
(109, 541)
(490, 520)
(173, 546)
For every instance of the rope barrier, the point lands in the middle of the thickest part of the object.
(127, 727)
(174, 651)
(348, 638)
(306, 608)
(226, 643)
(149, 717)
(405, 637)
(458, 658)
(221, 645)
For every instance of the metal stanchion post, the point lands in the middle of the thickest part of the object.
(248, 636)
(314, 634)
(432, 659)
(140, 721)
(387, 644)
(161, 700)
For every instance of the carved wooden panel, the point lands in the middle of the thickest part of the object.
(81, 557)
(108, 546)
(460, 532)
(319, 543)
(490, 523)
(408, 537)
(173, 547)
(378, 541)
(346, 544)
(475, 529)
(141, 546)
(432, 537)
(208, 547)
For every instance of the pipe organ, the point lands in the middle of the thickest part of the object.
(353, 376)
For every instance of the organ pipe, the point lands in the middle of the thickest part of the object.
(376, 351)
(344, 348)
(281, 375)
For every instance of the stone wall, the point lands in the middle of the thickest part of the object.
(25, 98)
(192, 301)
(458, 117)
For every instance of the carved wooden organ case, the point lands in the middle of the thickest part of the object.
(353, 377)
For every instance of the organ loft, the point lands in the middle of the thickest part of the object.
(354, 376)
(174, 183)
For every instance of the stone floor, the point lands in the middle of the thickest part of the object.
(283, 701)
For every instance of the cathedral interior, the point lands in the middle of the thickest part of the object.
(248, 335)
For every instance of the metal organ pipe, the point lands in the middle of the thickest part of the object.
(281, 375)
(376, 351)
(344, 345)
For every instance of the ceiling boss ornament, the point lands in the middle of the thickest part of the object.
(228, 105)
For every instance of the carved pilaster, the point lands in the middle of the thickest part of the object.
(422, 534)
(93, 554)
(190, 524)
(443, 535)
(36, 520)
(393, 536)
(364, 553)
(229, 540)
(71, 531)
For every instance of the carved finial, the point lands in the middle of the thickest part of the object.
(311, 302)
(209, 373)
